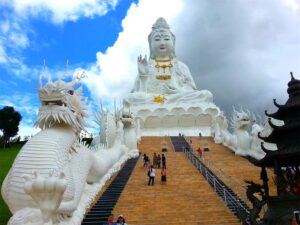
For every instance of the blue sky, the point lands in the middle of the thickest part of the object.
(242, 51)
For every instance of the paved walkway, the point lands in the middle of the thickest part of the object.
(186, 198)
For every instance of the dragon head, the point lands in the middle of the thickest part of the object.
(62, 105)
(240, 120)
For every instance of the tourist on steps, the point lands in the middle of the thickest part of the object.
(158, 160)
(163, 175)
(154, 160)
(149, 164)
(110, 220)
(145, 159)
(151, 175)
(199, 150)
(163, 160)
(121, 220)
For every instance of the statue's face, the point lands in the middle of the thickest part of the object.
(162, 44)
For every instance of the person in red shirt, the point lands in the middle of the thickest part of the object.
(199, 150)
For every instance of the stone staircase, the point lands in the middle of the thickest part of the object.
(100, 211)
(179, 143)
(187, 198)
(230, 168)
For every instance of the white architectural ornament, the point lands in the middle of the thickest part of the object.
(55, 177)
(241, 141)
(165, 99)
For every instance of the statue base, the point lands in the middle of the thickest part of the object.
(171, 119)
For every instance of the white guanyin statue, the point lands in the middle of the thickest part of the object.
(165, 95)
(163, 78)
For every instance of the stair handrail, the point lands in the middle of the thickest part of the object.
(230, 199)
(231, 182)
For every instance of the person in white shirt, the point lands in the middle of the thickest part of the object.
(151, 175)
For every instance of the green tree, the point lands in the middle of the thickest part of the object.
(9, 123)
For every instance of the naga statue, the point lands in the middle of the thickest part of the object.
(240, 141)
(108, 126)
(54, 176)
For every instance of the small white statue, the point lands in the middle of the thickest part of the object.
(131, 129)
(163, 78)
(241, 141)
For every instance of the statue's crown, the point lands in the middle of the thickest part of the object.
(160, 23)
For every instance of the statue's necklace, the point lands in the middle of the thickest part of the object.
(163, 64)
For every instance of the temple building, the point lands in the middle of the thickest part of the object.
(285, 159)
(286, 137)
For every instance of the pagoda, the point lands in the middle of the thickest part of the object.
(285, 136)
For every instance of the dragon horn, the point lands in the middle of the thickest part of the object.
(101, 105)
(234, 109)
(40, 82)
(49, 78)
(115, 107)
(73, 82)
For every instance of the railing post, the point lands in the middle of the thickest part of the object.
(206, 173)
(224, 192)
(214, 180)
(201, 168)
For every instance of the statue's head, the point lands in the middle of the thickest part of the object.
(161, 40)
(241, 120)
(61, 104)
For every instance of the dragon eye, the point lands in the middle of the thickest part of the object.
(71, 92)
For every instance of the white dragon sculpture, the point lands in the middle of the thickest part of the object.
(241, 141)
(108, 124)
(54, 171)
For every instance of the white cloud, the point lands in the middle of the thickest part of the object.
(294, 4)
(115, 70)
(22, 103)
(15, 31)
(13, 39)
(63, 10)
(242, 51)
(3, 55)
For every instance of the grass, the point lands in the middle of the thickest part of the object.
(7, 157)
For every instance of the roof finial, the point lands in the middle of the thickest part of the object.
(292, 77)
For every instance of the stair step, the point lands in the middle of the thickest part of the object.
(99, 213)
(187, 198)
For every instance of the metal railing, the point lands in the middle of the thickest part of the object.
(234, 184)
(231, 200)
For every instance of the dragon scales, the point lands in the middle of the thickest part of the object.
(50, 174)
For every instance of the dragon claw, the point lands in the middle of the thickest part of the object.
(46, 192)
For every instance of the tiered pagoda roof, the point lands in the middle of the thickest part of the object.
(287, 136)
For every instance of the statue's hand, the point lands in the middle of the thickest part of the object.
(143, 65)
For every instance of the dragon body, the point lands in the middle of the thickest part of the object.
(49, 175)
